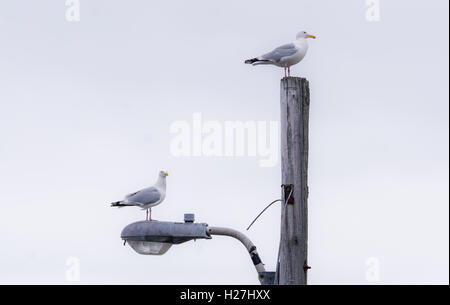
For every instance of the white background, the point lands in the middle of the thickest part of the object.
(85, 111)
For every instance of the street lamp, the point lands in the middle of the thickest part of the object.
(156, 238)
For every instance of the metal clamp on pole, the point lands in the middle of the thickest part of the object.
(251, 248)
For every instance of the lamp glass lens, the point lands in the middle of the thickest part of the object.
(149, 248)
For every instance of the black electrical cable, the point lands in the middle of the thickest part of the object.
(289, 197)
(269, 207)
(277, 273)
(262, 213)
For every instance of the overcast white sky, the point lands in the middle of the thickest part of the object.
(85, 115)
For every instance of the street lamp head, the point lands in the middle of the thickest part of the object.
(156, 237)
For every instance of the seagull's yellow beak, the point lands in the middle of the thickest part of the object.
(166, 174)
(312, 36)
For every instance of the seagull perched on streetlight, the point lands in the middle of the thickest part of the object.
(146, 198)
(285, 56)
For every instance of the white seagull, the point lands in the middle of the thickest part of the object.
(285, 56)
(146, 198)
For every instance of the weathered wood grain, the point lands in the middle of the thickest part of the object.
(294, 167)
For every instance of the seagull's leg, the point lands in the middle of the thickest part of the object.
(150, 214)
(146, 214)
(289, 71)
(285, 75)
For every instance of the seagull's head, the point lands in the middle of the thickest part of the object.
(163, 174)
(304, 34)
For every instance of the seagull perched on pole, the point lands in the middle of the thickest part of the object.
(146, 198)
(285, 56)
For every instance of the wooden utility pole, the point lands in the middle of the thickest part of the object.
(294, 169)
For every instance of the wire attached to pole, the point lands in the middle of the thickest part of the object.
(262, 213)
(287, 200)
(290, 193)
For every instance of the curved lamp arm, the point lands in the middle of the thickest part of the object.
(259, 266)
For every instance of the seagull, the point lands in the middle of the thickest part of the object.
(146, 198)
(285, 56)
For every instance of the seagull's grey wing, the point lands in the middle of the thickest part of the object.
(132, 194)
(146, 196)
(279, 53)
